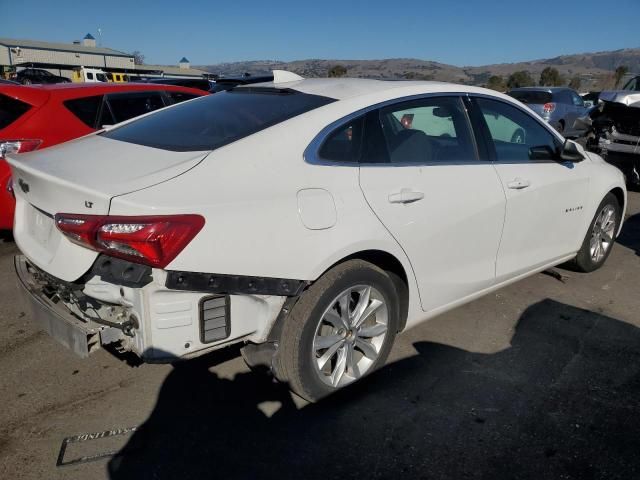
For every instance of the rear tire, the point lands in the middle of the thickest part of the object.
(341, 329)
(600, 237)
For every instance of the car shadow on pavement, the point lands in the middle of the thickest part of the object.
(562, 402)
(630, 234)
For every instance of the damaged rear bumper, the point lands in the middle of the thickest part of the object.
(148, 319)
(82, 337)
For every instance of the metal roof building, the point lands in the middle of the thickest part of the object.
(62, 58)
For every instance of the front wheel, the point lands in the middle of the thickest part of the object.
(598, 242)
(340, 330)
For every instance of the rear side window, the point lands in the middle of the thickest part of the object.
(344, 144)
(129, 105)
(177, 97)
(11, 110)
(216, 120)
(432, 130)
(86, 109)
(531, 96)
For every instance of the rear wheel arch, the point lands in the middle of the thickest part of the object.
(393, 267)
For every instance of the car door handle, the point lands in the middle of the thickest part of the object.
(518, 184)
(406, 195)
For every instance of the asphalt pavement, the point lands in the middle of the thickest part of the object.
(538, 380)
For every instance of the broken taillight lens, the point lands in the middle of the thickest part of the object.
(549, 107)
(18, 146)
(150, 240)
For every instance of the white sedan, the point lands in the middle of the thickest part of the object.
(310, 220)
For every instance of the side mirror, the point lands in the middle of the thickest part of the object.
(542, 152)
(570, 152)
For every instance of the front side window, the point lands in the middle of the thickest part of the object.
(216, 120)
(516, 135)
(100, 77)
(432, 130)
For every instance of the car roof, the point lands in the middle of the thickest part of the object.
(244, 79)
(75, 90)
(346, 88)
(540, 89)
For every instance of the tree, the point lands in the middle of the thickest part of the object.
(138, 57)
(575, 83)
(550, 77)
(621, 71)
(496, 82)
(337, 71)
(519, 79)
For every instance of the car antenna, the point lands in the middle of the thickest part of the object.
(282, 76)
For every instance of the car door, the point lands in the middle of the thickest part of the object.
(545, 214)
(421, 175)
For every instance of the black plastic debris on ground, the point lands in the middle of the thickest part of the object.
(98, 439)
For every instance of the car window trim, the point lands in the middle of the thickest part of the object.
(489, 139)
(311, 154)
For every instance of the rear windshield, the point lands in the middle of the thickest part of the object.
(11, 110)
(531, 96)
(212, 121)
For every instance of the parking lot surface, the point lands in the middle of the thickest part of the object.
(538, 380)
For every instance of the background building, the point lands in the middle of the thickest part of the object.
(62, 58)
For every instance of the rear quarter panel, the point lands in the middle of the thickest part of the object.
(248, 194)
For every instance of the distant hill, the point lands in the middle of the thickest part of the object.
(595, 69)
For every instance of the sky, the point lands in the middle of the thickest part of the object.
(462, 33)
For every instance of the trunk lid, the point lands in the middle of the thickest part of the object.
(81, 176)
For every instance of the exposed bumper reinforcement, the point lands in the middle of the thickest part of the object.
(79, 336)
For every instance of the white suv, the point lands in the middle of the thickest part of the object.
(310, 219)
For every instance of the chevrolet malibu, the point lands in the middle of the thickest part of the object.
(310, 220)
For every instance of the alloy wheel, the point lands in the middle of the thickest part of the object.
(603, 233)
(350, 335)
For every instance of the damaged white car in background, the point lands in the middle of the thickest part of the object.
(614, 129)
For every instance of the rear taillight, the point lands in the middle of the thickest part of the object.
(549, 107)
(150, 240)
(18, 146)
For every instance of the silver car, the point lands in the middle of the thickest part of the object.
(559, 106)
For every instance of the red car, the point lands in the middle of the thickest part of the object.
(44, 115)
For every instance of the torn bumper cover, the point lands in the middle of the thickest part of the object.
(80, 336)
(139, 314)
